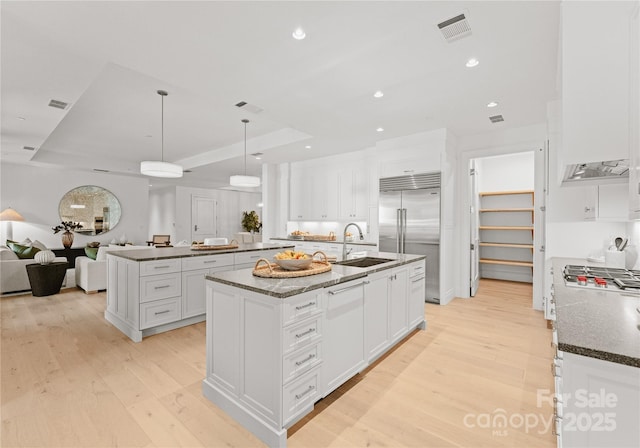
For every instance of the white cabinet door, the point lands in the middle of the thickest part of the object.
(343, 333)
(417, 284)
(299, 190)
(613, 202)
(398, 312)
(323, 201)
(590, 203)
(376, 315)
(352, 190)
(634, 121)
(193, 293)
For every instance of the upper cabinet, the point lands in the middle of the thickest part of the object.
(595, 54)
(352, 193)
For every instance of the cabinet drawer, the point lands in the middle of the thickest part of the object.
(253, 256)
(160, 266)
(157, 287)
(416, 269)
(206, 262)
(301, 334)
(300, 361)
(294, 310)
(159, 312)
(300, 394)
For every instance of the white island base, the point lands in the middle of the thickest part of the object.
(269, 359)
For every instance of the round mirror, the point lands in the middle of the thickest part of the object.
(96, 209)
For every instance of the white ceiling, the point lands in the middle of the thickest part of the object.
(108, 59)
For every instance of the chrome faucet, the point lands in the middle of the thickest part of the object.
(344, 238)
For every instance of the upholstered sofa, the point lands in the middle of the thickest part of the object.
(13, 271)
(91, 275)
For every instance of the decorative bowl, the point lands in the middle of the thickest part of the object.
(294, 264)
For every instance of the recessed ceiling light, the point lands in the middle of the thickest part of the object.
(308, 147)
(299, 34)
(378, 94)
(380, 129)
(472, 62)
(20, 118)
(492, 104)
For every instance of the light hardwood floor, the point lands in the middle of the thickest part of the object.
(70, 379)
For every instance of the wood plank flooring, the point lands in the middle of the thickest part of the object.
(70, 379)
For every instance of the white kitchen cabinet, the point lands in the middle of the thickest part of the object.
(313, 194)
(352, 193)
(398, 303)
(299, 192)
(417, 285)
(607, 202)
(343, 340)
(600, 402)
(376, 315)
(595, 47)
(244, 260)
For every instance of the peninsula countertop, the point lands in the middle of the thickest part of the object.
(286, 287)
(162, 253)
(596, 323)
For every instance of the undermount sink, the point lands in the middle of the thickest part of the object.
(364, 262)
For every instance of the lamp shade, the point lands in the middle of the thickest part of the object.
(9, 214)
(244, 181)
(157, 168)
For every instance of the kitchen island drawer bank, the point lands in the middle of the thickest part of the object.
(275, 346)
(596, 367)
(153, 290)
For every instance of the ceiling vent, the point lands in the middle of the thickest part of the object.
(496, 118)
(455, 28)
(249, 107)
(58, 104)
(29, 148)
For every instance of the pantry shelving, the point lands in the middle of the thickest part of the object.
(506, 234)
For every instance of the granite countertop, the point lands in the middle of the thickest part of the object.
(356, 242)
(603, 324)
(286, 287)
(181, 252)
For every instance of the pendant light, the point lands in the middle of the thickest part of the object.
(160, 168)
(240, 180)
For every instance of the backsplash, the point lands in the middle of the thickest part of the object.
(323, 228)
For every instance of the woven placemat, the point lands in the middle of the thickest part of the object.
(272, 270)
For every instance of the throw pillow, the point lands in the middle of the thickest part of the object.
(23, 251)
(38, 244)
(7, 254)
(91, 252)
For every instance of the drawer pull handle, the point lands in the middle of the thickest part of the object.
(305, 360)
(299, 396)
(210, 261)
(162, 287)
(338, 291)
(161, 267)
(304, 333)
(162, 312)
(301, 307)
(418, 279)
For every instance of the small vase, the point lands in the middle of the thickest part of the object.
(67, 239)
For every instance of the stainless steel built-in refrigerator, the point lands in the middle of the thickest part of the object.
(409, 222)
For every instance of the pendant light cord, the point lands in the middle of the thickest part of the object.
(162, 130)
(245, 121)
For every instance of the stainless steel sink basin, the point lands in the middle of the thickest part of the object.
(364, 262)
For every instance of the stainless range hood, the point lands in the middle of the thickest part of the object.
(610, 171)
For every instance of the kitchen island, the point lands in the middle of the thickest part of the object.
(153, 290)
(597, 363)
(276, 346)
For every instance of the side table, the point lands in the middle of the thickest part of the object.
(46, 279)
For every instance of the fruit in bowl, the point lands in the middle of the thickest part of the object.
(291, 260)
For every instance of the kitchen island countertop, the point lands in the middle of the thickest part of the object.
(599, 324)
(286, 287)
(162, 253)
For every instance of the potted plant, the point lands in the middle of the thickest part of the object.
(251, 222)
(67, 235)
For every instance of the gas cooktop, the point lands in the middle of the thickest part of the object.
(613, 279)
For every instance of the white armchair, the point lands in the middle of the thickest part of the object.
(91, 275)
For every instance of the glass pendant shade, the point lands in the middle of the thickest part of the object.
(157, 168)
(244, 181)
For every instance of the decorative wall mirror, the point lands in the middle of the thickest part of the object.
(97, 209)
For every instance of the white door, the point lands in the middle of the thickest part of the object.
(541, 189)
(203, 218)
(475, 233)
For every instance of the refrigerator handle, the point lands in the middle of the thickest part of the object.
(398, 230)
(404, 228)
